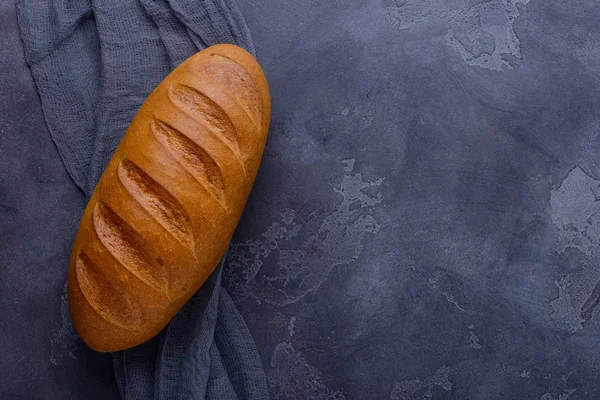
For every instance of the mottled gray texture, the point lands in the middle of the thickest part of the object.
(39, 211)
(470, 265)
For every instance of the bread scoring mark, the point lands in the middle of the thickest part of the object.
(112, 304)
(193, 158)
(157, 201)
(129, 248)
(207, 113)
(237, 83)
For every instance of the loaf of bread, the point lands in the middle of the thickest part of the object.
(166, 207)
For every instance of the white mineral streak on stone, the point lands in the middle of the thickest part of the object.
(292, 377)
(278, 270)
(576, 217)
(482, 34)
(421, 389)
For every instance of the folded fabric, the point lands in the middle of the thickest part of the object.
(94, 62)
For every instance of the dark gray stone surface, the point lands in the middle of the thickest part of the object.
(40, 208)
(39, 212)
(425, 223)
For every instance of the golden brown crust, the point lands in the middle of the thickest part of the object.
(166, 207)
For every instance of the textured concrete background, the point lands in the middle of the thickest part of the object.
(426, 222)
(40, 208)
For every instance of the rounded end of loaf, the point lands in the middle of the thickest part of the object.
(247, 60)
(150, 236)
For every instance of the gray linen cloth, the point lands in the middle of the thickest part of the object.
(94, 62)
